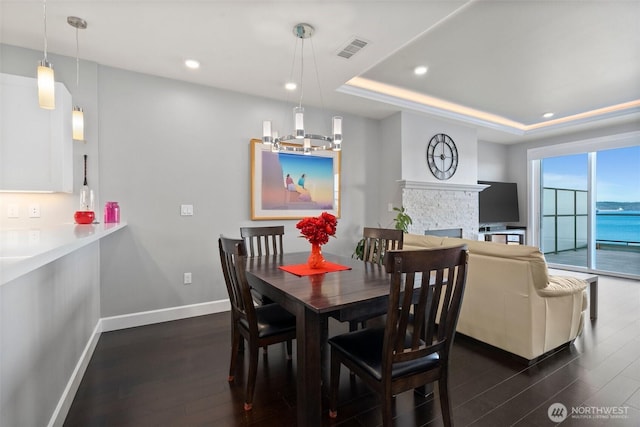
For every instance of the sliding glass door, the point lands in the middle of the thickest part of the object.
(597, 191)
(565, 209)
(618, 210)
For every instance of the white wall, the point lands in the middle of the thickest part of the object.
(166, 143)
(492, 162)
(447, 206)
(417, 131)
(390, 167)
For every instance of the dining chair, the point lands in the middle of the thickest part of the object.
(263, 241)
(412, 348)
(375, 243)
(260, 326)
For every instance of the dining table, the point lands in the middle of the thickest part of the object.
(358, 288)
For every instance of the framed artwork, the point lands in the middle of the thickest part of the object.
(291, 185)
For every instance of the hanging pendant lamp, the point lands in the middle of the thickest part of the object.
(46, 78)
(77, 115)
(300, 140)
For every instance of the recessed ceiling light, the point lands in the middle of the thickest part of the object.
(547, 115)
(290, 86)
(420, 70)
(192, 63)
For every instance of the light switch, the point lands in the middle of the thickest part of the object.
(186, 210)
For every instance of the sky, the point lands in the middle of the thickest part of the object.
(617, 174)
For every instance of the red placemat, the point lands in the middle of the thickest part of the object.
(305, 270)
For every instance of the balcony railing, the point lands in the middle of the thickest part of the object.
(565, 223)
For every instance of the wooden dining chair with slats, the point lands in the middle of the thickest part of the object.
(260, 326)
(263, 241)
(376, 242)
(412, 349)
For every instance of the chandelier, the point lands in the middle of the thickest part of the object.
(300, 140)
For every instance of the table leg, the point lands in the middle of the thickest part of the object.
(593, 299)
(309, 370)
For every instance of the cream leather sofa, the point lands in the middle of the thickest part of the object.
(510, 300)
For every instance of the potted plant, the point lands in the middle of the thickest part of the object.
(400, 222)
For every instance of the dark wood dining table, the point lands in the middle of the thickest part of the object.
(343, 295)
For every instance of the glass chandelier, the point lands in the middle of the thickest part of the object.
(300, 140)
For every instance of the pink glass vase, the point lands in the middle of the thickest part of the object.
(316, 260)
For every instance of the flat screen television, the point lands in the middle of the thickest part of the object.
(498, 203)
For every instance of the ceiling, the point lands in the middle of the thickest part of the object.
(495, 65)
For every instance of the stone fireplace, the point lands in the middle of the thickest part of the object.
(441, 206)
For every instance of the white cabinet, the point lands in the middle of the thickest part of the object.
(36, 149)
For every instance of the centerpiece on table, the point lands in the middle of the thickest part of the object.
(317, 231)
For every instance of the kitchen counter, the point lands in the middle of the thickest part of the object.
(25, 250)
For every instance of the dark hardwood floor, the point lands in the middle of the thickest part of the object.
(175, 374)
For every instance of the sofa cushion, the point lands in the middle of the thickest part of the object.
(417, 241)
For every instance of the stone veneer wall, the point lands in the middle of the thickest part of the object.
(436, 209)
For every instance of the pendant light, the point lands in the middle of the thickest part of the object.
(46, 78)
(77, 115)
(300, 140)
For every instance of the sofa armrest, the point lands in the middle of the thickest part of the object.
(562, 285)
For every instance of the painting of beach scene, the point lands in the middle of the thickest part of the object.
(291, 185)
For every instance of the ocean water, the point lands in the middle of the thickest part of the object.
(623, 226)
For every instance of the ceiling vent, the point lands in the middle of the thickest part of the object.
(352, 48)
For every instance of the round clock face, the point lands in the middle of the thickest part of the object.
(442, 156)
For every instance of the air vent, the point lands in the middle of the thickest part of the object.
(352, 48)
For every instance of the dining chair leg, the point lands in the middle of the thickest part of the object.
(251, 377)
(289, 349)
(334, 382)
(387, 409)
(423, 391)
(445, 403)
(236, 340)
(353, 325)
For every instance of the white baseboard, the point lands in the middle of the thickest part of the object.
(60, 413)
(114, 323)
(142, 318)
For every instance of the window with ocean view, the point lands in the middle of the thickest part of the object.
(613, 178)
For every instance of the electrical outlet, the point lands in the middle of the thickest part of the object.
(390, 207)
(186, 210)
(34, 237)
(13, 211)
(187, 278)
(34, 210)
